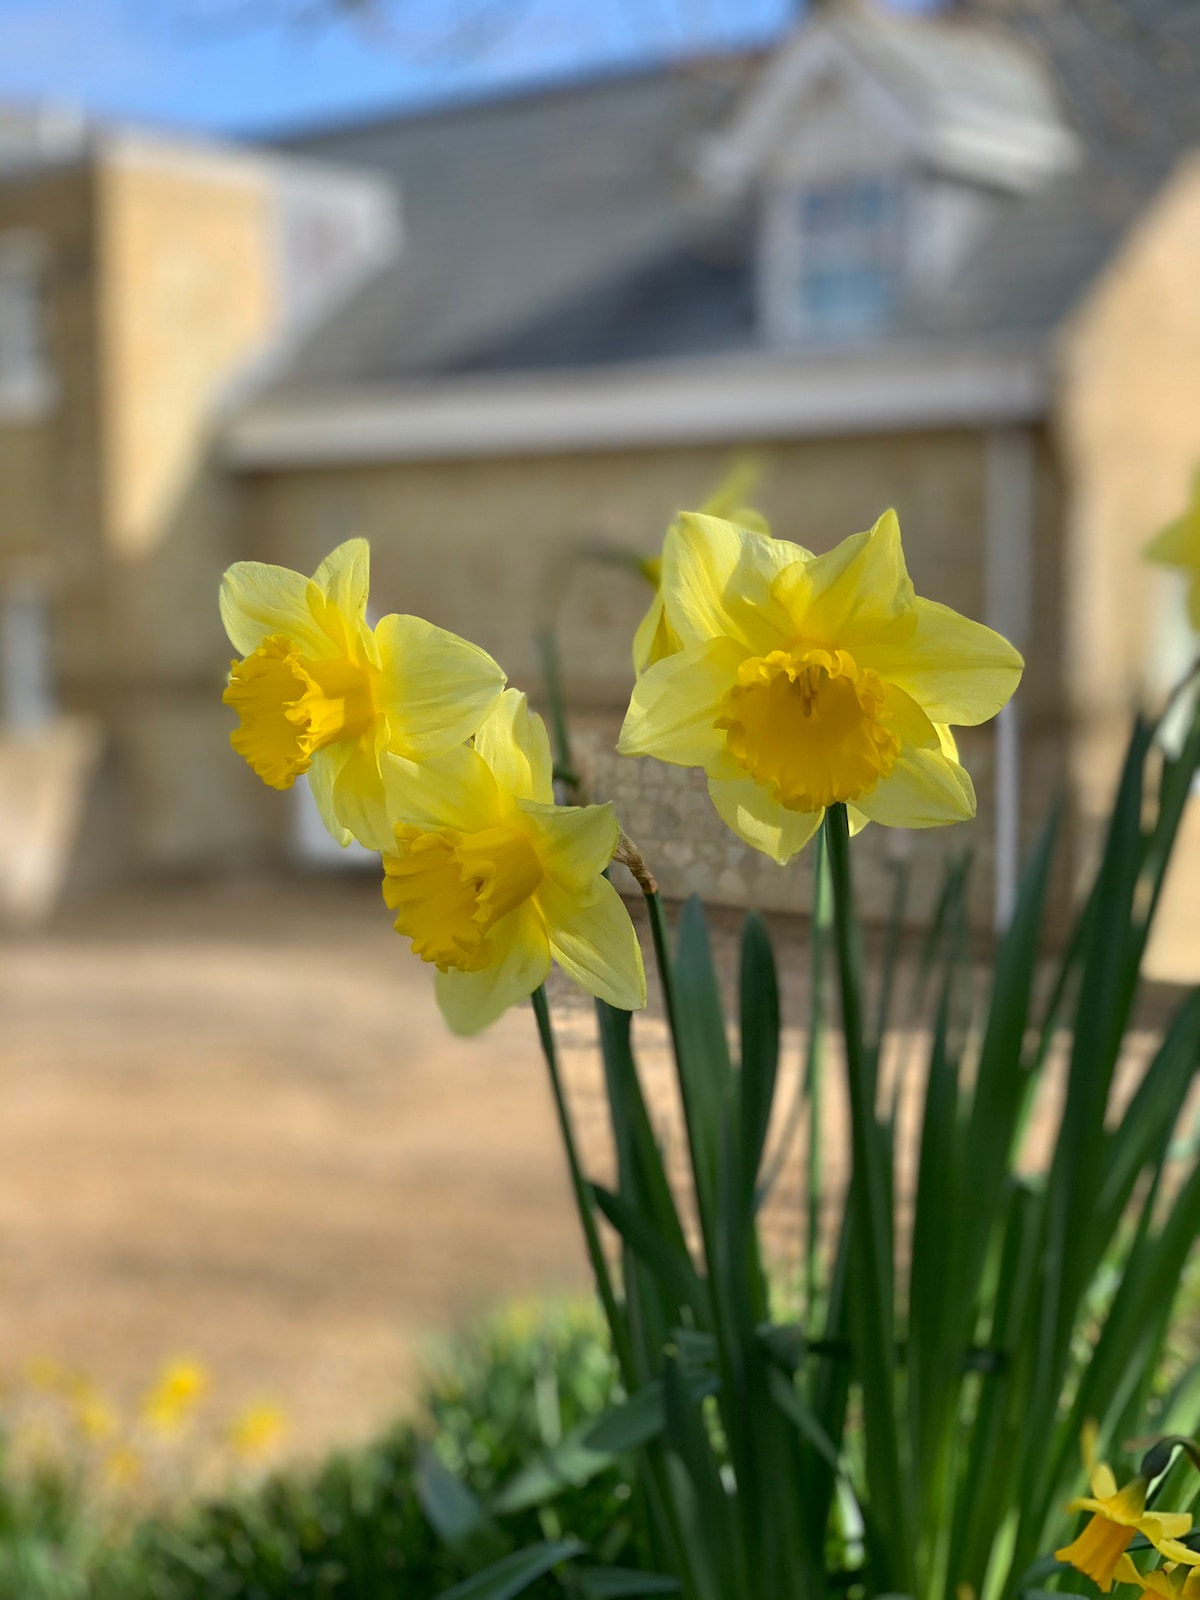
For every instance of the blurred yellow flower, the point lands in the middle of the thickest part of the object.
(50, 1376)
(655, 639)
(490, 879)
(94, 1416)
(1117, 1514)
(173, 1399)
(123, 1467)
(806, 680)
(258, 1431)
(1178, 545)
(1171, 1582)
(319, 691)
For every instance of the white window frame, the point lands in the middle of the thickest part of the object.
(27, 381)
(865, 247)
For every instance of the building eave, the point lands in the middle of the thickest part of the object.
(883, 390)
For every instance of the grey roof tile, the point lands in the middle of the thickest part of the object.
(560, 228)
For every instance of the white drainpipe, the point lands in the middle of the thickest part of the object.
(1008, 589)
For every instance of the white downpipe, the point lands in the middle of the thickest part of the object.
(1008, 557)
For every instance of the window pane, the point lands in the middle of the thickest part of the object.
(849, 254)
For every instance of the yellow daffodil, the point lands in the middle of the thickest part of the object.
(319, 691)
(490, 879)
(1117, 1514)
(804, 680)
(1178, 545)
(258, 1431)
(655, 638)
(173, 1399)
(1170, 1582)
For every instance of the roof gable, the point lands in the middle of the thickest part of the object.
(957, 97)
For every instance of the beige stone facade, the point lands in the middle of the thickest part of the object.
(162, 297)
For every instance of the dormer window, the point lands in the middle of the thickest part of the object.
(849, 256)
(26, 378)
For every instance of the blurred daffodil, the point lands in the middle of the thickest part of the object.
(490, 880)
(123, 1467)
(655, 639)
(1178, 545)
(172, 1400)
(319, 691)
(1117, 1514)
(806, 680)
(1170, 1582)
(94, 1415)
(258, 1431)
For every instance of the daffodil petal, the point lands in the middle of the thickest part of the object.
(755, 816)
(470, 1001)
(1104, 1484)
(946, 740)
(1172, 1550)
(514, 744)
(675, 704)
(258, 601)
(923, 790)
(436, 688)
(654, 639)
(1126, 1572)
(1166, 1528)
(455, 790)
(359, 800)
(574, 843)
(856, 819)
(323, 773)
(717, 579)
(957, 671)
(594, 942)
(859, 587)
(345, 577)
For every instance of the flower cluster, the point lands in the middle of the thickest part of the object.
(414, 747)
(795, 681)
(1118, 1516)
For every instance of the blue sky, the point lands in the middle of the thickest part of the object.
(240, 65)
(229, 65)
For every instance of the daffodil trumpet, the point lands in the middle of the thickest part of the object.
(319, 691)
(490, 881)
(804, 681)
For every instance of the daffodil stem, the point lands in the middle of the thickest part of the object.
(582, 1190)
(873, 1298)
(564, 766)
(662, 954)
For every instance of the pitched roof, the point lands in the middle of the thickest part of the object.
(518, 209)
(564, 228)
(1127, 72)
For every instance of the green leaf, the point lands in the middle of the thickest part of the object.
(705, 1513)
(643, 1416)
(616, 1583)
(662, 1257)
(760, 1045)
(791, 1403)
(515, 1573)
(871, 1291)
(705, 1073)
(572, 1462)
(454, 1511)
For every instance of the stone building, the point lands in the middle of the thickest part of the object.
(946, 264)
